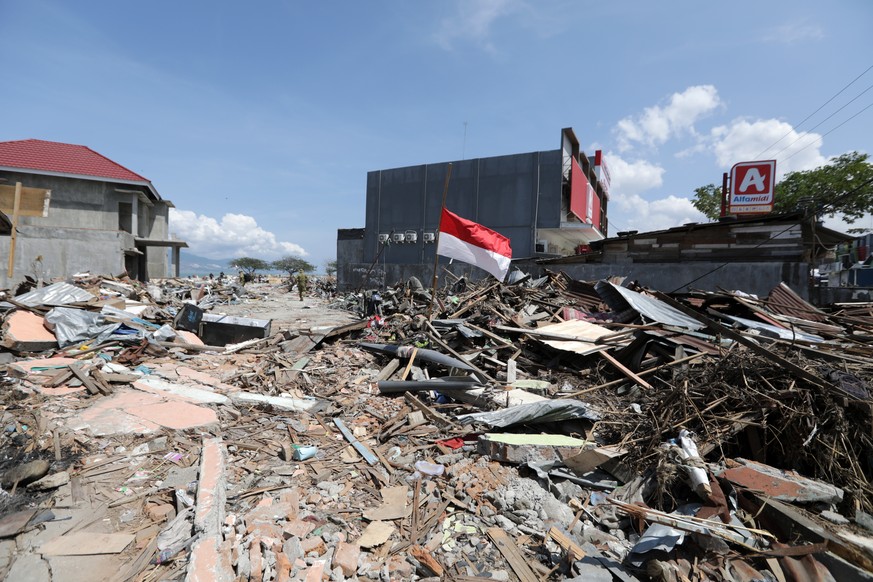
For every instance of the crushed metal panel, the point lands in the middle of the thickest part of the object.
(772, 330)
(651, 308)
(55, 295)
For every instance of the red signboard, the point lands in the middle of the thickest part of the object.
(752, 187)
(579, 187)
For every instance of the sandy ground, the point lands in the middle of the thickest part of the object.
(285, 309)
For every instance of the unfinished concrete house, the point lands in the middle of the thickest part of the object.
(73, 210)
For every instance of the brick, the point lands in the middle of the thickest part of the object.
(314, 544)
(160, 513)
(346, 557)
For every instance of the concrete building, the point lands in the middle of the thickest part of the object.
(548, 203)
(80, 211)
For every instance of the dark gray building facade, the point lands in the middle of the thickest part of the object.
(526, 197)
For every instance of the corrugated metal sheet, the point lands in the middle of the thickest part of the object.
(774, 331)
(56, 294)
(784, 301)
(649, 307)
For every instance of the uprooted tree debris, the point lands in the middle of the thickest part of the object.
(544, 429)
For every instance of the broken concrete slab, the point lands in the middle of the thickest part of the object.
(375, 534)
(52, 481)
(24, 331)
(591, 458)
(394, 505)
(29, 568)
(525, 448)
(130, 411)
(782, 485)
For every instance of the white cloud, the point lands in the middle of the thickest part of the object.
(630, 178)
(839, 223)
(743, 141)
(237, 235)
(473, 21)
(794, 32)
(647, 215)
(658, 123)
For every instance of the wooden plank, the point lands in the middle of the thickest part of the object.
(32, 201)
(16, 207)
(624, 370)
(427, 561)
(409, 364)
(86, 543)
(101, 382)
(388, 370)
(83, 377)
(58, 379)
(429, 412)
(573, 550)
(512, 554)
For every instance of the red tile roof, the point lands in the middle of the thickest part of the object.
(63, 158)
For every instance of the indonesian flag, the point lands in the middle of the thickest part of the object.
(472, 243)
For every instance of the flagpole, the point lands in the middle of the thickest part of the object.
(436, 257)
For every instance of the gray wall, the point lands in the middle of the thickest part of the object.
(510, 194)
(46, 253)
(81, 231)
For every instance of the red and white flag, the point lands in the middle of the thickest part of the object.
(472, 243)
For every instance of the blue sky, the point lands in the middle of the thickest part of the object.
(261, 120)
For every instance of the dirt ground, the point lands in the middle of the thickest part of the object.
(272, 301)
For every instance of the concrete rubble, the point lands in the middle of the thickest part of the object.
(549, 429)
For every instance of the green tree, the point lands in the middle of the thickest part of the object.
(249, 265)
(330, 268)
(707, 200)
(292, 264)
(843, 186)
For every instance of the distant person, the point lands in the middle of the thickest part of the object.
(301, 284)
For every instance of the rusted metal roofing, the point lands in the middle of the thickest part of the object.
(784, 301)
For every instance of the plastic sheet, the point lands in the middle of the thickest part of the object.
(72, 326)
(534, 412)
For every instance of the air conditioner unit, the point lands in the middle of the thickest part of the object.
(383, 238)
(411, 236)
(428, 237)
(542, 246)
(398, 237)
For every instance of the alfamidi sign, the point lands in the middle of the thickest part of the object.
(752, 187)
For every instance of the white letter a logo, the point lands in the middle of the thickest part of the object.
(752, 177)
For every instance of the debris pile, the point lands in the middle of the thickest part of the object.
(543, 429)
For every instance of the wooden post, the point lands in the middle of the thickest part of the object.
(436, 257)
(14, 235)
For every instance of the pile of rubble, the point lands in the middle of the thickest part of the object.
(543, 429)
